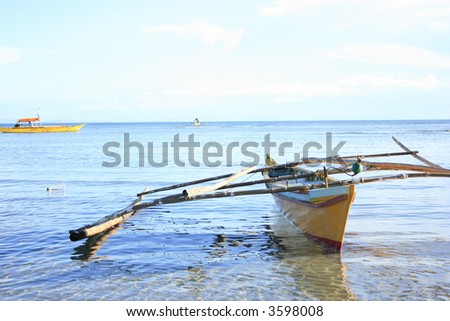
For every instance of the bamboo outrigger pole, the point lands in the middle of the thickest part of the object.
(193, 192)
(113, 220)
(415, 155)
(105, 223)
(274, 190)
(210, 192)
(119, 217)
(405, 167)
(333, 159)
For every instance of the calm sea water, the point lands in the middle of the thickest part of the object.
(397, 244)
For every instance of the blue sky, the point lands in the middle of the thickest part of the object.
(176, 60)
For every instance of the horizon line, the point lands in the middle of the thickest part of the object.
(4, 121)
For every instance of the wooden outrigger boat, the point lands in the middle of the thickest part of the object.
(33, 125)
(320, 213)
(318, 203)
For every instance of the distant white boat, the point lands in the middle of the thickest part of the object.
(196, 122)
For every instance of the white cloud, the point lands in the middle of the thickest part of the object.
(401, 14)
(408, 4)
(440, 26)
(281, 7)
(390, 82)
(433, 12)
(8, 55)
(278, 90)
(433, 18)
(278, 8)
(350, 85)
(343, 86)
(299, 89)
(209, 33)
(403, 55)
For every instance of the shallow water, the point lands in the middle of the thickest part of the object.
(397, 243)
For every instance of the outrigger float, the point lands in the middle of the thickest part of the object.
(316, 202)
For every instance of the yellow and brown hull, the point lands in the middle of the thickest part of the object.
(324, 221)
(41, 129)
(320, 213)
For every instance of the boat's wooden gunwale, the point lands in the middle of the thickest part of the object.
(288, 196)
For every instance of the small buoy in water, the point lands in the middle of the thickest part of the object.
(357, 167)
(56, 187)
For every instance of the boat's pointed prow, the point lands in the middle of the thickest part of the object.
(77, 127)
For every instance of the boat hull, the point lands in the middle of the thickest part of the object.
(320, 213)
(41, 129)
(324, 221)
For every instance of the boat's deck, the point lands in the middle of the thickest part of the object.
(314, 195)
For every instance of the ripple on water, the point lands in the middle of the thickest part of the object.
(396, 245)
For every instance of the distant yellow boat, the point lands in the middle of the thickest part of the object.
(33, 125)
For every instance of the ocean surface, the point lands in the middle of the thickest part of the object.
(397, 243)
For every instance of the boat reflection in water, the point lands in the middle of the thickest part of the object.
(318, 271)
(277, 263)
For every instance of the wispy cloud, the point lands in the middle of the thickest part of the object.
(49, 51)
(209, 33)
(350, 85)
(403, 55)
(164, 98)
(433, 12)
(8, 55)
(401, 14)
(290, 90)
(434, 18)
(440, 26)
(408, 4)
(385, 82)
(281, 7)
